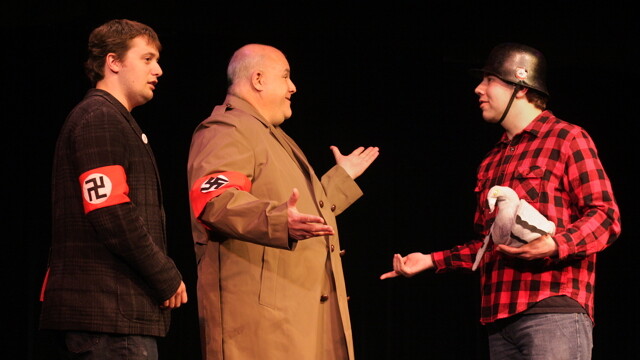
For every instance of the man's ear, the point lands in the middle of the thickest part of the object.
(112, 63)
(257, 80)
(522, 92)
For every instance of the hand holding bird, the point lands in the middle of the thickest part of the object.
(542, 247)
(517, 223)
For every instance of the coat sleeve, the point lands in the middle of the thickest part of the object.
(220, 147)
(340, 188)
(100, 142)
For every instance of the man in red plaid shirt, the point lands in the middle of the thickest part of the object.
(537, 299)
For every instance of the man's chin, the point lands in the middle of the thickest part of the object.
(145, 99)
(281, 120)
(490, 119)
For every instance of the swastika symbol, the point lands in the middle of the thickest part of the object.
(213, 183)
(97, 188)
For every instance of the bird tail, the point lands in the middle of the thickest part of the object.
(481, 252)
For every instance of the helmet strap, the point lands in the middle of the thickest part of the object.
(506, 110)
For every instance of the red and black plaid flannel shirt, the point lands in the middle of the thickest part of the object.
(553, 165)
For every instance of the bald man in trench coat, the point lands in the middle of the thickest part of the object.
(270, 278)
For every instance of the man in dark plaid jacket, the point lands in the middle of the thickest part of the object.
(110, 285)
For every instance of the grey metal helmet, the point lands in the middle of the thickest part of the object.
(517, 64)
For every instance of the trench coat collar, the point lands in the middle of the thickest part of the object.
(235, 102)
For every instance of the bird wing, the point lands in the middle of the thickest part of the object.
(529, 225)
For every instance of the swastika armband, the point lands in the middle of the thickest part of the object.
(212, 185)
(104, 186)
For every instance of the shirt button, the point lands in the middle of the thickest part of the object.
(332, 248)
(324, 297)
(321, 203)
(333, 208)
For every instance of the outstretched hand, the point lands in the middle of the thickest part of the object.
(356, 162)
(303, 226)
(409, 265)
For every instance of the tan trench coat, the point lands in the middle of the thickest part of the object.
(262, 295)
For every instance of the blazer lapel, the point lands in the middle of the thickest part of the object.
(136, 129)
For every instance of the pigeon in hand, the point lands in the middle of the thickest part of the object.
(516, 223)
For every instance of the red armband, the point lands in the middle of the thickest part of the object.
(104, 186)
(210, 186)
(44, 284)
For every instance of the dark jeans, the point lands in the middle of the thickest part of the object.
(78, 345)
(555, 336)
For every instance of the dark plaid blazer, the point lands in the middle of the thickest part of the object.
(109, 269)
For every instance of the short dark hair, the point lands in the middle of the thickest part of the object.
(538, 99)
(114, 37)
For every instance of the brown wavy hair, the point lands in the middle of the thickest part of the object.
(114, 37)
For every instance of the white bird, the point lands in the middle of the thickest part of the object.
(516, 223)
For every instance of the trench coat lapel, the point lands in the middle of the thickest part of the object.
(285, 141)
(291, 148)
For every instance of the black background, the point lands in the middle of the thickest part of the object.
(392, 75)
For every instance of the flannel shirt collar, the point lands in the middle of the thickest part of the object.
(535, 127)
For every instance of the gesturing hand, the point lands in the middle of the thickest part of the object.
(356, 162)
(304, 226)
(409, 265)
